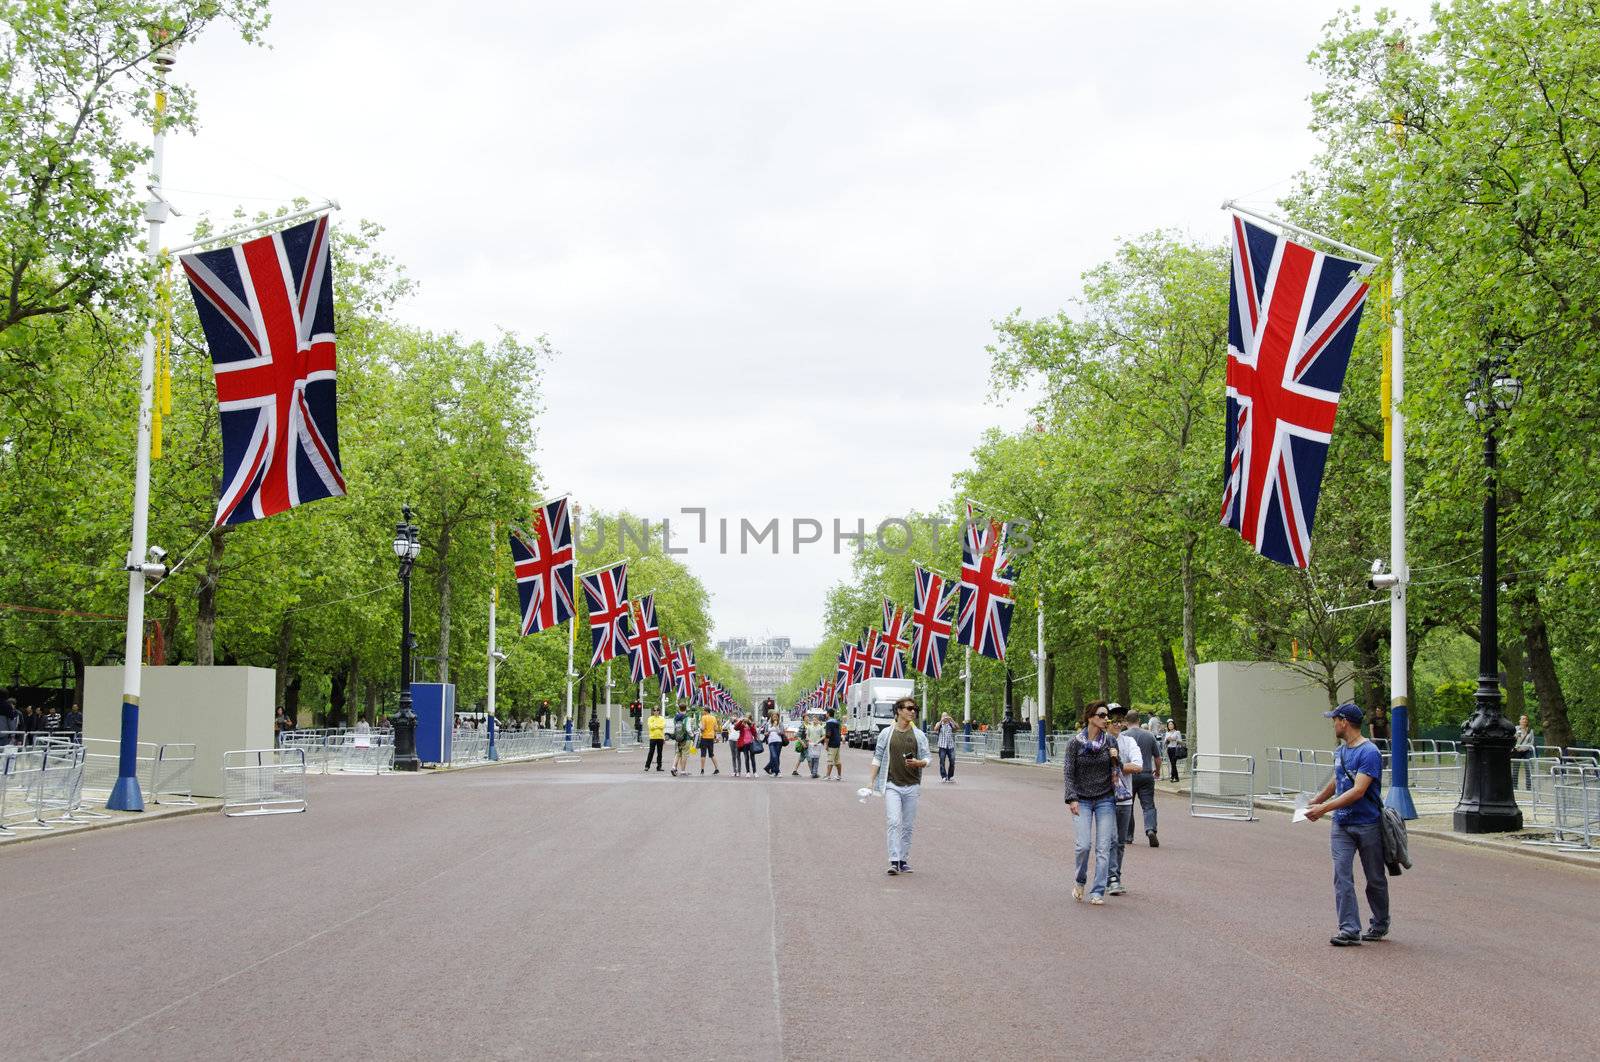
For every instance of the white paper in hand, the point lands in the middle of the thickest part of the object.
(863, 794)
(1300, 804)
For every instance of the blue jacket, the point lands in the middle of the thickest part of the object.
(880, 754)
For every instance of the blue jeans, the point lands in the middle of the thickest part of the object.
(1144, 790)
(1098, 814)
(900, 807)
(1118, 846)
(1367, 841)
(947, 763)
(774, 750)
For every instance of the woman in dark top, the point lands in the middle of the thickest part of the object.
(1088, 768)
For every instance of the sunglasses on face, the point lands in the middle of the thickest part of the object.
(1102, 715)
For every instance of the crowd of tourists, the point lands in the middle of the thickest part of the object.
(748, 739)
(18, 722)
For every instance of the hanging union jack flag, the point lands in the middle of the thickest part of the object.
(644, 639)
(605, 592)
(841, 673)
(686, 673)
(931, 621)
(266, 307)
(543, 567)
(1292, 319)
(983, 615)
(893, 640)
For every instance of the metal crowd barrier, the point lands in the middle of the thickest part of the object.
(264, 782)
(173, 776)
(101, 764)
(21, 771)
(1222, 786)
(41, 787)
(1578, 755)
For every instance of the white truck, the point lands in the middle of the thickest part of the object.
(871, 707)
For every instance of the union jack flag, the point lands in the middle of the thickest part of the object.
(842, 673)
(983, 615)
(1292, 319)
(860, 663)
(266, 307)
(605, 592)
(644, 639)
(877, 652)
(893, 640)
(543, 568)
(686, 673)
(931, 621)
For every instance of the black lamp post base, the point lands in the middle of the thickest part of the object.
(1008, 739)
(1488, 820)
(405, 740)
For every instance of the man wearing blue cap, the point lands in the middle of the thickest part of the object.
(1357, 809)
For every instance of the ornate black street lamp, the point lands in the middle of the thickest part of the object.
(406, 548)
(1488, 804)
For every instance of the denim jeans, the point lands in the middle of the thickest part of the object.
(774, 750)
(900, 807)
(1098, 814)
(1120, 843)
(1144, 790)
(947, 763)
(813, 757)
(1367, 841)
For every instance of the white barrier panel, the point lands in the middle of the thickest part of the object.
(264, 782)
(1222, 786)
(173, 776)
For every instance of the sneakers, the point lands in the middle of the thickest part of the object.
(1375, 934)
(714, 770)
(1097, 900)
(1077, 893)
(1155, 842)
(1341, 941)
(905, 868)
(674, 771)
(1115, 889)
(894, 868)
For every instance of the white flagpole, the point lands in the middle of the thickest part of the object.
(1038, 708)
(966, 698)
(1399, 794)
(494, 657)
(125, 793)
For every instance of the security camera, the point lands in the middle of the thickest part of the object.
(498, 656)
(1377, 566)
(157, 554)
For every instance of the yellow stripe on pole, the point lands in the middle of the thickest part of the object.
(162, 406)
(1385, 392)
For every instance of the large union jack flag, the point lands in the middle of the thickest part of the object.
(644, 639)
(1292, 319)
(266, 307)
(842, 676)
(894, 640)
(543, 567)
(860, 663)
(605, 592)
(931, 621)
(684, 673)
(983, 614)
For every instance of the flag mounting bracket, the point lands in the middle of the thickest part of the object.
(1365, 256)
(233, 234)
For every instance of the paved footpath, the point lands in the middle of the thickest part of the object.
(573, 911)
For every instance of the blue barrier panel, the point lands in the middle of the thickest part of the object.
(435, 705)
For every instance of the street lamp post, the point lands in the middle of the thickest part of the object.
(1488, 804)
(406, 548)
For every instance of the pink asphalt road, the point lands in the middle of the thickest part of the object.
(572, 911)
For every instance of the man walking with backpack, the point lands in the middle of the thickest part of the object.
(1357, 807)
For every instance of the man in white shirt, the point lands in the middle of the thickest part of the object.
(1132, 762)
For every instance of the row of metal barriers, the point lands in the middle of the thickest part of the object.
(52, 783)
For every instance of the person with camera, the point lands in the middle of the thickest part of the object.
(897, 763)
(1088, 769)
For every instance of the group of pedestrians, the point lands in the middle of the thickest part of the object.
(1109, 764)
(750, 739)
(19, 720)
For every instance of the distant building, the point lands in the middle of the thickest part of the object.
(767, 664)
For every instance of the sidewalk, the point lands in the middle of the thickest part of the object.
(152, 813)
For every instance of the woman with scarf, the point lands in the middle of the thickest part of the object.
(1089, 770)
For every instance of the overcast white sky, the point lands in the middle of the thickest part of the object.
(767, 238)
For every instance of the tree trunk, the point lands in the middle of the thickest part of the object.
(351, 690)
(291, 701)
(1103, 662)
(1516, 696)
(1175, 703)
(372, 702)
(1119, 656)
(205, 616)
(1077, 706)
(1546, 683)
(444, 603)
(169, 633)
(338, 713)
(1368, 672)
(1048, 712)
(77, 676)
(280, 685)
(1190, 655)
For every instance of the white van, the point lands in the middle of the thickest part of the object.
(871, 707)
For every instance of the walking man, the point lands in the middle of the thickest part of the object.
(897, 763)
(1357, 808)
(1132, 764)
(708, 741)
(945, 737)
(815, 735)
(832, 738)
(1144, 783)
(658, 737)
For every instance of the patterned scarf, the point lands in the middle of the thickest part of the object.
(1119, 781)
